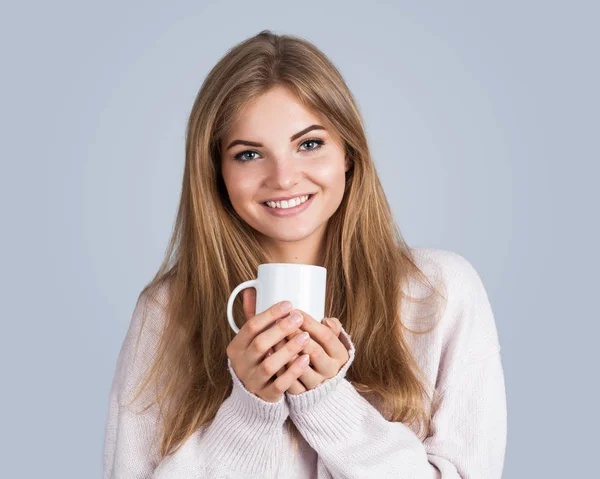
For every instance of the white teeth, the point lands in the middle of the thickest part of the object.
(289, 203)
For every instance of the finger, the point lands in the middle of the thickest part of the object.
(280, 344)
(277, 361)
(297, 387)
(249, 300)
(293, 358)
(292, 334)
(310, 378)
(256, 325)
(324, 336)
(322, 362)
(283, 328)
(290, 376)
(309, 347)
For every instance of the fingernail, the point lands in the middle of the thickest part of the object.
(285, 306)
(328, 322)
(302, 338)
(296, 317)
(304, 360)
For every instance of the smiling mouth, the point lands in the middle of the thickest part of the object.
(307, 199)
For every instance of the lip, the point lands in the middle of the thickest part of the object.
(290, 211)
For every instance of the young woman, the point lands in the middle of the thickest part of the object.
(407, 381)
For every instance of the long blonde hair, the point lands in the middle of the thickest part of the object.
(212, 250)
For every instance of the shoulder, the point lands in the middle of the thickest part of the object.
(467, 321)
(148, 319)
(455, 270)
(152, 301)
(454, 273)
(139, 346)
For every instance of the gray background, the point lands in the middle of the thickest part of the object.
(483, 122)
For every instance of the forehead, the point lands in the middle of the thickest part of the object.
(277, 113)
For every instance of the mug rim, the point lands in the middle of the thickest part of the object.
(293, 264)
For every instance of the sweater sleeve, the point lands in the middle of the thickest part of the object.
(353, 439)
(244, 439)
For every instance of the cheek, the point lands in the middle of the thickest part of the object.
(241, 186)
(331, 176)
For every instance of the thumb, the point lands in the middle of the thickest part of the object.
(334, 325)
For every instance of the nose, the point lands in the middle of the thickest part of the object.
(283, 173)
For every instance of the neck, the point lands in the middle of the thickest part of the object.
(306, 251)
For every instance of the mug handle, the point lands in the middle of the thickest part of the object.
(246, 284)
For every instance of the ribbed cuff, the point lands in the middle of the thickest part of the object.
(247, 432)
(335, 419)
(307, 401)
(255, 407)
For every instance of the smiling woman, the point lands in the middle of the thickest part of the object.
(278, 169)
(284, 167)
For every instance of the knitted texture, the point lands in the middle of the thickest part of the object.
(344, 434)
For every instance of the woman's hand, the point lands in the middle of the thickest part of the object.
(327, 353)
(259, 334)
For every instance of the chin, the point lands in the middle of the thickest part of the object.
(292, 235)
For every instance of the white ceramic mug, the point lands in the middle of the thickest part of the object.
(301, 284)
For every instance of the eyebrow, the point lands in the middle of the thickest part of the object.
(292, 138)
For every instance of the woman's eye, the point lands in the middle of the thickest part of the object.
(244, 159)
(239, 156)
(316, 141)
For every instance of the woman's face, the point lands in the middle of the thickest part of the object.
(280, 153)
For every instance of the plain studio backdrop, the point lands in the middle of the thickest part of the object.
(483, 121)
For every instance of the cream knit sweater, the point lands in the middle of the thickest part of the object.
(344, 435)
